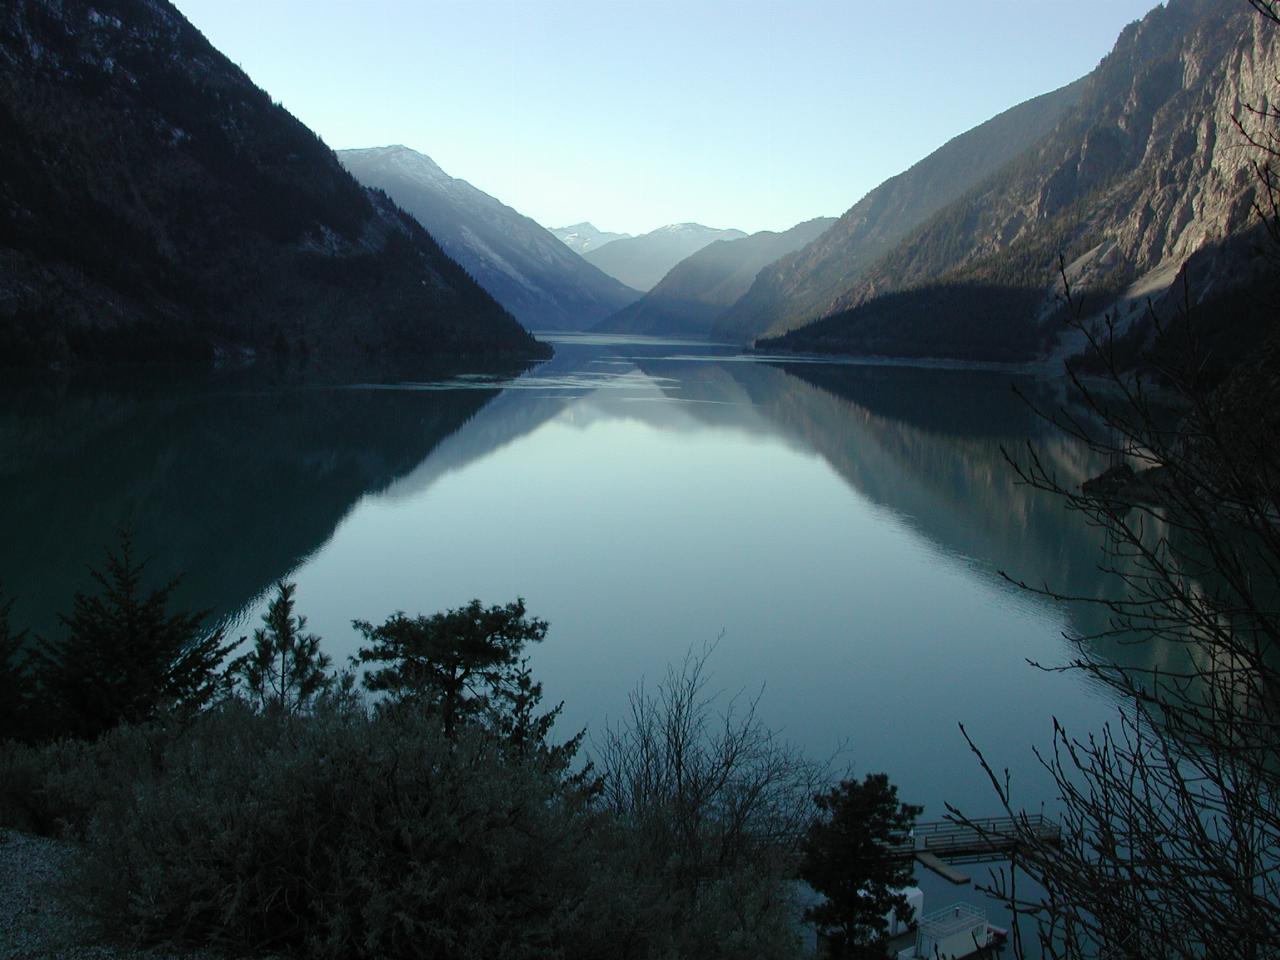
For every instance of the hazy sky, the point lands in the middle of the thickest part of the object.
(752, 114)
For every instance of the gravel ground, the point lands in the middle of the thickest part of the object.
(36, 922)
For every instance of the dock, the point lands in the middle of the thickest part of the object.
(939, 844)
(943, 869)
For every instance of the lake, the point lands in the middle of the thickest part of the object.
(836, 531)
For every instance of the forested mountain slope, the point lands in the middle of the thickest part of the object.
(155, 204)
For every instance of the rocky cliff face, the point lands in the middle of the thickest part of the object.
(806, 285)
(534, 275)
(1149, 173)
(155, 204)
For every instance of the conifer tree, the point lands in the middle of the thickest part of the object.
(463, 664)
(125, 656)
(14, 681)
(285, 671)
(525, 731)
(846, 859)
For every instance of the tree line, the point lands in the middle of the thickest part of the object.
(250, 794)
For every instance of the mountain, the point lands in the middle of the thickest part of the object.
(581, 237)
(804, 285)
(156, 205)
(642, 261)
(541, 281)
(1146, 179)
(687, 301)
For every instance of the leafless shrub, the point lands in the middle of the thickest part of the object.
(1171, 814)
(715, 805)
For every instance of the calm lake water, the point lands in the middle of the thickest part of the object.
(840, 528)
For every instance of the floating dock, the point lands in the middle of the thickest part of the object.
(941, 868)
(939, 844)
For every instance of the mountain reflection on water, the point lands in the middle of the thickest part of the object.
(229, 483)
(842, 527)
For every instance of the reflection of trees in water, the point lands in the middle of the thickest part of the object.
(1170, 816)
(1190, 655)
(231, 483)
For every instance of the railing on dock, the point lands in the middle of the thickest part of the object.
(953, 919)
(938, 843)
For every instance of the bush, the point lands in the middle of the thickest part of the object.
(29, 798)
(342, 835)
(56, 788)
(301, 819)
(347, 832)
(710, 809)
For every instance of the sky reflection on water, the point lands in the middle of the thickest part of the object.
(846, 557)
(835, 531)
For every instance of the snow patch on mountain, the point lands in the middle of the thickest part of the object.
(584, 237)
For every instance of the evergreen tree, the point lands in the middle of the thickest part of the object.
(845, 858)
(14, 690)
(285, 671)
(125, 656)
(516, 704)
(463, 664)
(524, 730)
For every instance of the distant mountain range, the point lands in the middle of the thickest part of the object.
(582, 237)
(156, 205)
(534, 275)
(640, 262)
(1144, 178)
(696, 291)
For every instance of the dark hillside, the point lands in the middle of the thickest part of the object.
(155, 204)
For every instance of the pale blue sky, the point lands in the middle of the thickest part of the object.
(752, 114)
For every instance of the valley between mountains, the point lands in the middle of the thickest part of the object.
(328, 438)
(156, 205)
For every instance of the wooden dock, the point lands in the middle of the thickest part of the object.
(941, 867)
(939, 844)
